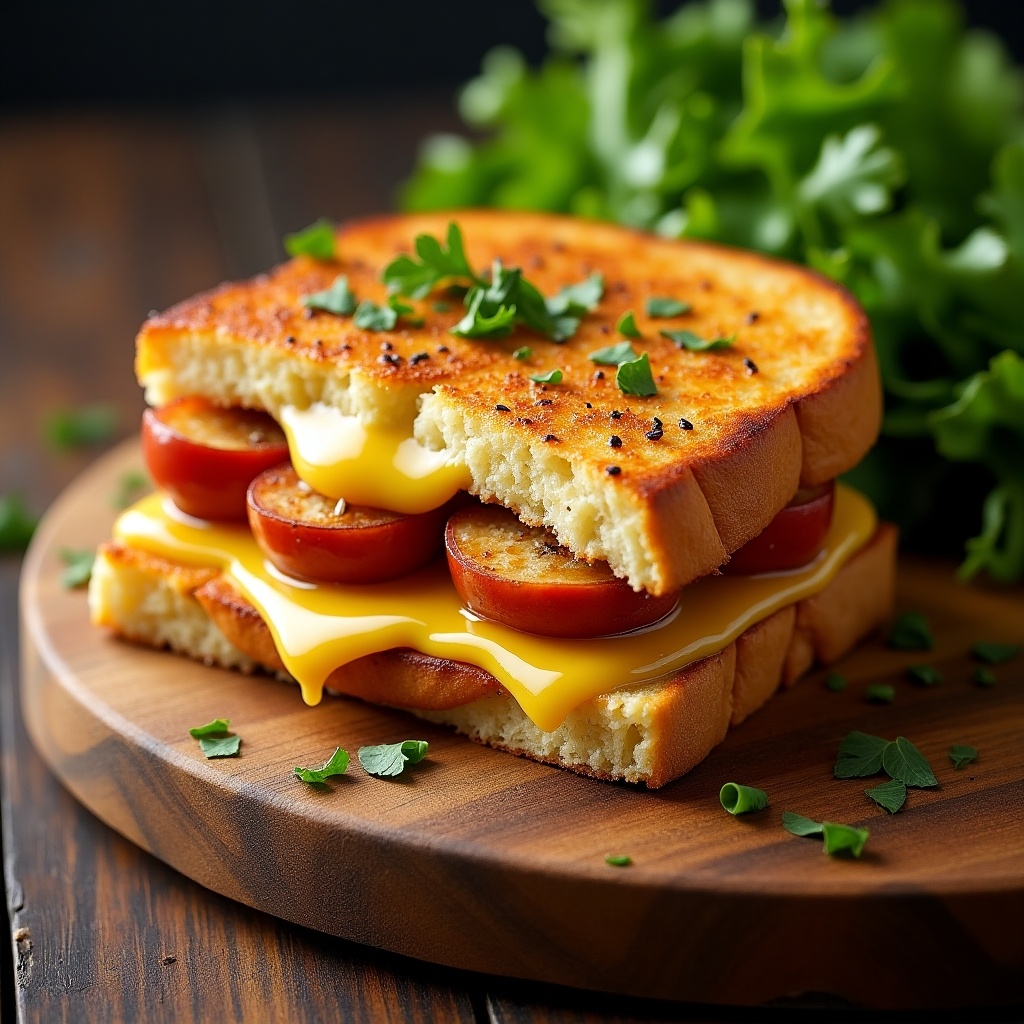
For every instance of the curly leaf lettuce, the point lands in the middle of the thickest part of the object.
(885, 150)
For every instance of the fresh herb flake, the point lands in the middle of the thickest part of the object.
(79, 568)
(218, 727)
(982, 676)
(417, 276)
(995, 654)
(618, 860)
(860, 755)
(659, 308)
(737, 799)
(130, 487)
(338, 299)
(695, 343)
(905, 763)
(924, 675)
(389, 759)
(911, 632)
(890, 795)
(627, 325)
(799, 825)
(221, 746)
(551, 377)
(576, 299)
(16, 524)
(635, 377)
(485, 318)
(961, 754)
(84, 427)
(613, 355)
(880, 693)
(843, 838)
(835, 682)
(371, 317)
(336, 764)
(522, 353)
(441, 307)
(316, 241)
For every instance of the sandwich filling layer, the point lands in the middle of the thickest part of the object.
(319, 627)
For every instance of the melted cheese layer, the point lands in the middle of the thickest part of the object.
(384, 468)
(317, 628)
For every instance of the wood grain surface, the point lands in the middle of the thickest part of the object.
(484, 861)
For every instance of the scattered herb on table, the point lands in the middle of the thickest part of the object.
(904, 762)
(336, 764)
(880, 693)
(737, 799)
(78, 569)
(130, 487)
(390, 758)
(982, 676)
(860, 755)
(215, 740)
(218, 727)
(961, 754)
(995, 654)
(891, 795)
(924, 675)
(82, 427)
(835, 682)
(316, 241)
(618, 860)
(911, 632)
(836, 838)
(16, 523)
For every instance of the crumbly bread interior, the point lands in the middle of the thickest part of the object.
(721, 448)
(650, 734)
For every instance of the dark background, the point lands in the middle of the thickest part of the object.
(171, 51)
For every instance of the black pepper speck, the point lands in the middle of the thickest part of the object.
(501, 408)
(550, 437)
(418, 357)
(545, 401)
(612, 470)
(752, 317)
(599, 375)
(657, 431)
(686, 424)
(750, 365)
(290, 340)
(615, 441)
(615, 414)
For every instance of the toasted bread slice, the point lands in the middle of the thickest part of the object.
(651, 733)
(795, 399)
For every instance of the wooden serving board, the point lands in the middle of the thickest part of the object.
(485, 861)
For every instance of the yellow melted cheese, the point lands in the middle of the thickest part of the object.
(319, 627)
(338, 456)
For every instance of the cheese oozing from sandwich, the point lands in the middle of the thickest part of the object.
(319, 627)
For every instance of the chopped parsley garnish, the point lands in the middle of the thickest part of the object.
(695, 343)
(859, 755)
(522, 353)
(130, 487)
(390, 758)
(79, 567)
(880, 693)
(635, 378)
(924, 675)
(221, 746)
(961, 754)
(371, 317)
(218, 727)
(618, 860)
(613, 355)
(576, 299)
(485, 318)
(837, 838)
(16, 524)
(404, 310)
(338, 299)
(83, 427)
(835, 682)
(995, 654)
(627, 325)
(982, 676)
(336, 764)
(418, 277)
(551, 377)
(911, 632)
(891, 795)
(737, 799)
(904, 762)
(317, 241)
(663, 309)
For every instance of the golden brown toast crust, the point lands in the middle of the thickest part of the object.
(689, 712)
(810, 411)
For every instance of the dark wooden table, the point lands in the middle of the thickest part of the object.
(104, 216)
